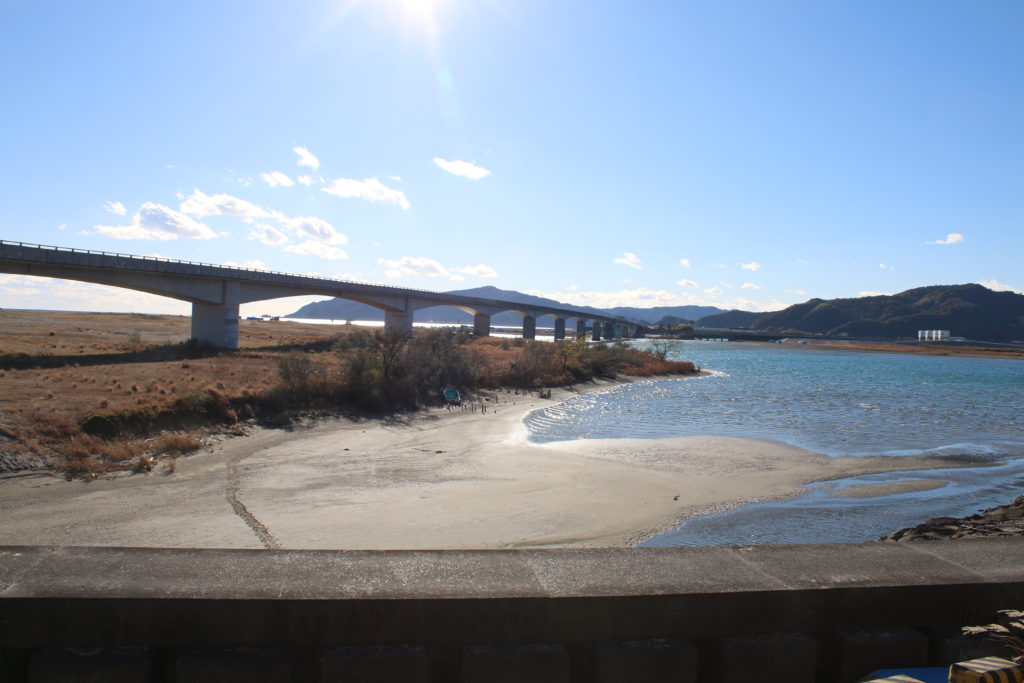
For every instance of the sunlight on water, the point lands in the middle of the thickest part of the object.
(832, 402)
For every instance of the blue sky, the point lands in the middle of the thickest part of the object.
(737, 154)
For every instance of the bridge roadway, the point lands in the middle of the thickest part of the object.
(216, 292)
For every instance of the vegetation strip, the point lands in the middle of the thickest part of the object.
(148, 399)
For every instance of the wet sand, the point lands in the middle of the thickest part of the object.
(434, 479)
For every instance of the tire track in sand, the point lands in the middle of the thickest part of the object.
(231, 489)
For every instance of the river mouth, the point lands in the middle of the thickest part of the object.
(832, 402)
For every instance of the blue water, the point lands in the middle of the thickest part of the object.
(832, 402)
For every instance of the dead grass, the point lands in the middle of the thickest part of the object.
(94, 405)
(918, 349)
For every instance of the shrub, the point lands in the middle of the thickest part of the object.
(294, 370)
(177, 443)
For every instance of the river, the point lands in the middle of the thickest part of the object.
(833, 402)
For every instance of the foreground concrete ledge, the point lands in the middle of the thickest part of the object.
(829, 613)
(173, 573)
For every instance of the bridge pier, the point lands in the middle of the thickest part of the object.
(581, 329)
(482, 325)
(559, 329)
(217, 324)
(398, 322)
(529, 327)
(609, 332)
(595, 335)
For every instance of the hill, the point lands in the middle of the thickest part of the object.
(969, 310)
(343, 309)
(733, 318)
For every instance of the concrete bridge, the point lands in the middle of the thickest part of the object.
(216, 292)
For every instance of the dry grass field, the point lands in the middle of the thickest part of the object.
(919, 349)
(58, 369)
(91, 393)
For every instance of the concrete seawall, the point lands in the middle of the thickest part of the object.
(796, 613)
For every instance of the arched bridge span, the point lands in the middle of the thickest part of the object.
(216, 292)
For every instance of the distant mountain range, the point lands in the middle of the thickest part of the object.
(969, 310)
(342, 309)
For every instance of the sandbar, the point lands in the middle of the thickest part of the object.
(888, 488)
(436, 479)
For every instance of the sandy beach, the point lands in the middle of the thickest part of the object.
(434, 479)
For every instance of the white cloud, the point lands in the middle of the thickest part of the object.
(750, 285)
(314, 248)
(306, 158)
(268, 234)
(885, 266)
(245, 182)
(871, 293)
(20, 285)
(714, 291)
(311, 227)
(306, 180)
(201, 204)
(753, 265)
(277, 179)
(62, 226)
(684, 262)
(687, 283)
(479, 270)
(629, 259)
(463, 169)
(997, 286)
(951, 238)
(116, 208)
(157, 222)
(370, 189)
(413, 265)
(251, 264)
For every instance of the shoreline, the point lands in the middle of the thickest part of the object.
(436, 479)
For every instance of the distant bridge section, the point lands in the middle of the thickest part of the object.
(216, 292)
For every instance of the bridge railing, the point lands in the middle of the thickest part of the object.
(144, 257)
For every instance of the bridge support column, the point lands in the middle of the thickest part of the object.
(217, 324)
(398, 322)
(595, 334)
(482, 325)
(559, 329)
(581, 329)
(529, 327)
(609, 333)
